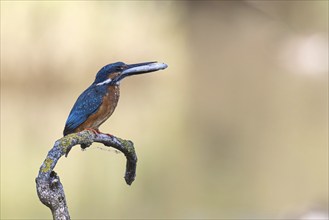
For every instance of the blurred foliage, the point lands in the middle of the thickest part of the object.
(236, 127)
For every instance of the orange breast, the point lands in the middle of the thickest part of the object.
(106, 109)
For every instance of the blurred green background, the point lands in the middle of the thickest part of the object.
(236, 127)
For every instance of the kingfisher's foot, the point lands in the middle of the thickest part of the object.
(95, 131)
(110, 135)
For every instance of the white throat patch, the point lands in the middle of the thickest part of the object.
(104, 82)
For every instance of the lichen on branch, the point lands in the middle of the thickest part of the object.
(49, 188)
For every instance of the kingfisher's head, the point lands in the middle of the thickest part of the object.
(113, 73)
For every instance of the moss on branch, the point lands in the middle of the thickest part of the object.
(49, 187)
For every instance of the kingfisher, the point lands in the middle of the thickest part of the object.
(97, 103)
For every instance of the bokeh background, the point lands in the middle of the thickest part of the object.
(236, 127)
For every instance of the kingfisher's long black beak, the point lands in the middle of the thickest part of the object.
(140, 68)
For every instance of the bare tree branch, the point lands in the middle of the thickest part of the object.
(49, 188)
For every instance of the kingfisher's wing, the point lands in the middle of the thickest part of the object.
(87, 104)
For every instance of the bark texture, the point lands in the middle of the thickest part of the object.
(49, 187)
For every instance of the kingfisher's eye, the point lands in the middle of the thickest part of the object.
(119, 68)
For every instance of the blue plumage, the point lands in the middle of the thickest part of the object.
(97, 103)
(110, 68)
(87, 104)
